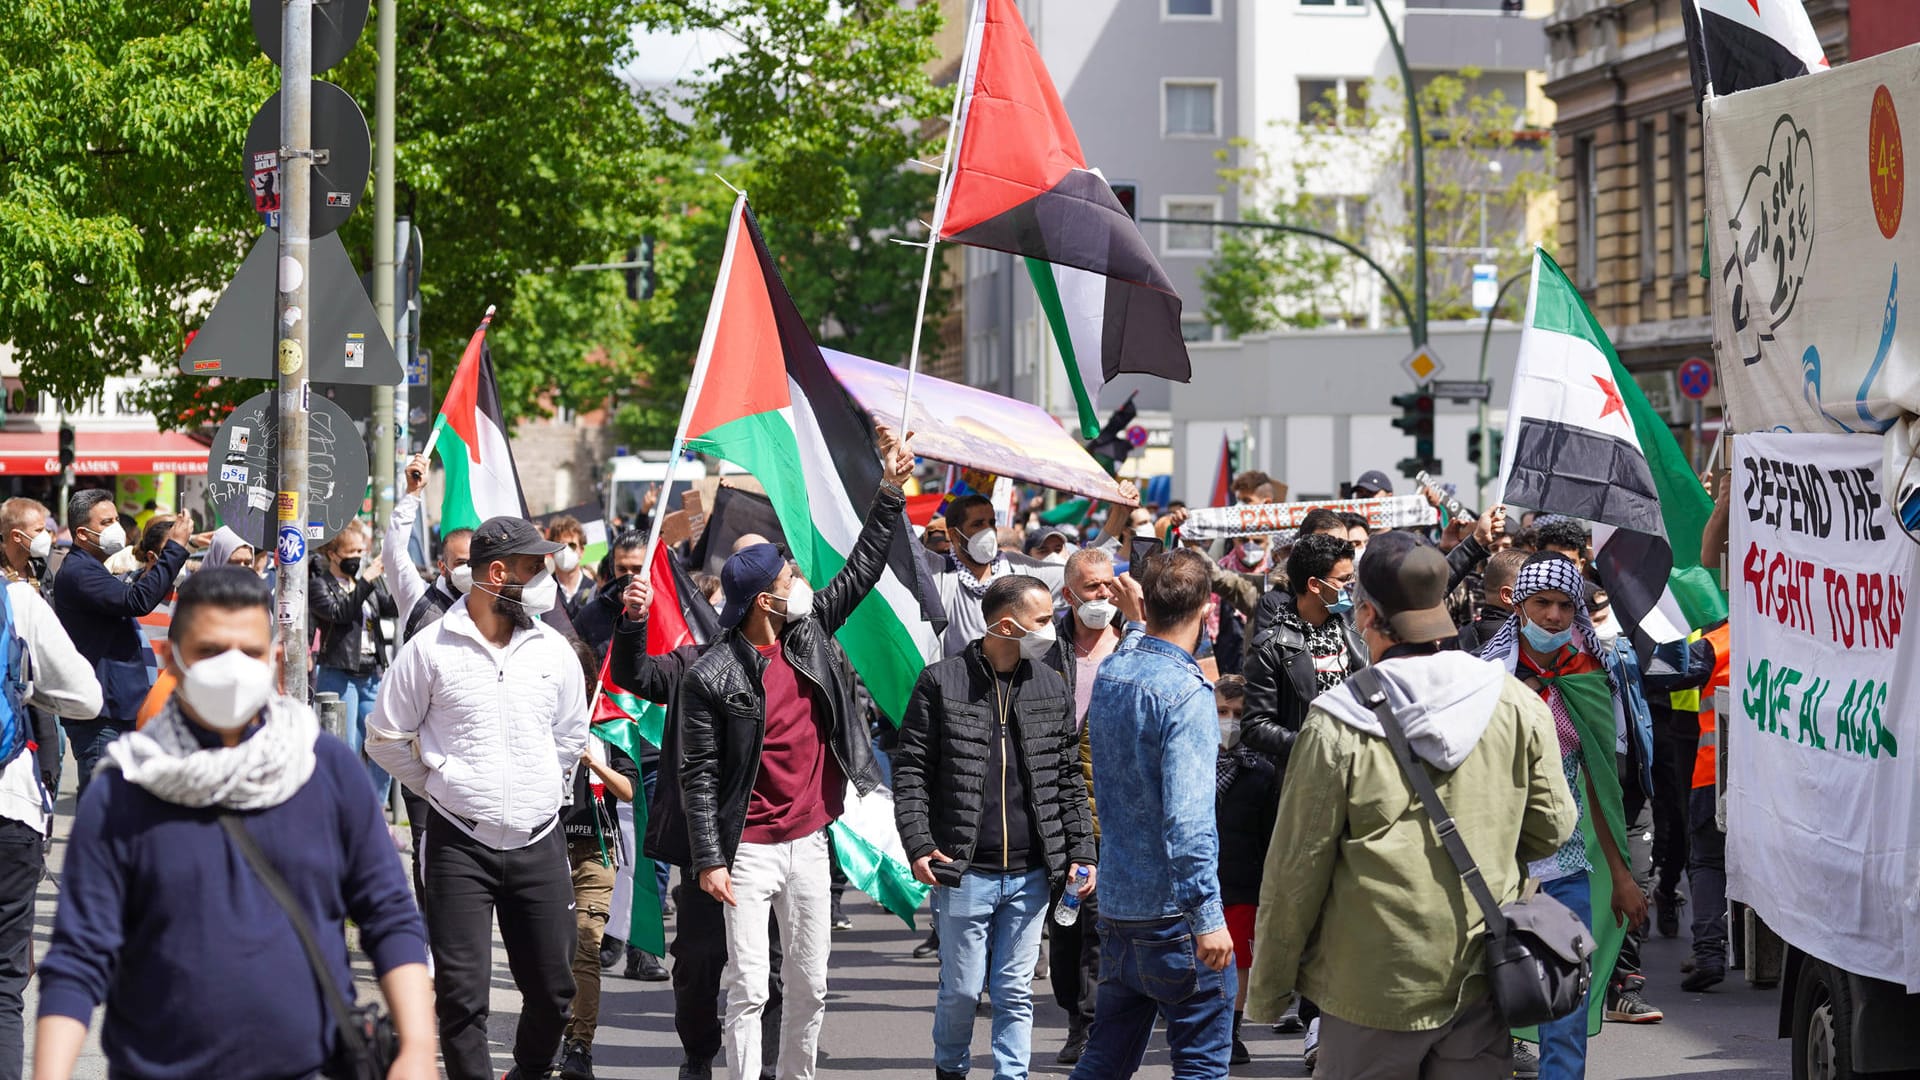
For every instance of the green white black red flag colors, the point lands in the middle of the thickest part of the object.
(1105, 327)
(1737, 45)
(1582, 441)
(763, 398)
(471, 436)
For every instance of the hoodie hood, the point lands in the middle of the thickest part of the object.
(1444, 703)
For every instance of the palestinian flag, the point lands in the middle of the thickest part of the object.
(1020, 183)
(1105, 326)
(1737, 45)
(1582, 441)
(621, 717)
(763, 398)
(866, 844)
(1223, 475)
(471, 437)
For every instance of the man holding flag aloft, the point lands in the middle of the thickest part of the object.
(769, 738)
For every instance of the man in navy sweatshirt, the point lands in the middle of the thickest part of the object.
(101, 612)
(162, 918)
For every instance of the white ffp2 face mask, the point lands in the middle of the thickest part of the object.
(112, 539)
(540, 594)
(462, 578)
(227, 691)
(41, 545)
(983, 545)
(799, 601)
(566, 560)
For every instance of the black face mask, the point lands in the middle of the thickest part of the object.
(350, 567)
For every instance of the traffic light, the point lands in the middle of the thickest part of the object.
(641, 280)
(1129, 195)
(1475, 452)
(1416, 419)
(66, 446)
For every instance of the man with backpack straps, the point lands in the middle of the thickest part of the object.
(44, 670)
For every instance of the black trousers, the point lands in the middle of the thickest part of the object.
(21, 863)
(531, 889)
(699, 952)
(1073, 963)
(418, 811)
(1674, 745)
(1637, 810)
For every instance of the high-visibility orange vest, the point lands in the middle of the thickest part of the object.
(1705, 757)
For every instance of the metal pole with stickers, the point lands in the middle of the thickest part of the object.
(296, 163)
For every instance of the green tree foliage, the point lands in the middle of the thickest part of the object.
(1263, 280)
(521, 151)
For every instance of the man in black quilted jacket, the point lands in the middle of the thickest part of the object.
(992, 811)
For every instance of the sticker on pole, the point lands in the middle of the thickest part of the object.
(292, 546)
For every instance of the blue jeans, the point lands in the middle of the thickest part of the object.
(89, 739)
(1150, 969)
(1563, 1043)
(357, 694)
(988, 919)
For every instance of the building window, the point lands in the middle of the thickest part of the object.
(1191, 9)
(1586, 198)
(1344, 216)
(1195, 329)
(1679, 217)
(1333, 102)
(1189, 239)
(1649, 205)
(1333, 3)
(1191, 108)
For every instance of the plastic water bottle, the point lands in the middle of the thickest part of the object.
(1067, 911)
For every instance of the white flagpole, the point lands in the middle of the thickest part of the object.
(961, 84)
(696, 381)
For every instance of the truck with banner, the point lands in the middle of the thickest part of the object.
(1806, 184)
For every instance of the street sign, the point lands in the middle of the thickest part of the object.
(1695, 378)
(238, 340)
(337, 24)
(1486, 286)
(339, 183)
(1423, 364)
(1137, 436)
(1463, 389)
(243, 473)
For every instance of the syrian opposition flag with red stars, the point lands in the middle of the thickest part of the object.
(1740, 44)
(1582, 441)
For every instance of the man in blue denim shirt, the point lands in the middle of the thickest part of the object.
(1164, 940)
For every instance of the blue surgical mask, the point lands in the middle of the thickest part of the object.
(1544, 641)
(1342, 603)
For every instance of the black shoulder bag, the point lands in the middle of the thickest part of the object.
(1539, 953)
(368, 1044)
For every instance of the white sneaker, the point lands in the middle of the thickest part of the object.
(1312, 1054)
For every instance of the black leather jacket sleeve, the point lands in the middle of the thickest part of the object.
(699, 770)
(914, 760)
(654, 678)
(333, 603)
(1261, 725)
(865, 563)
(1461, 561)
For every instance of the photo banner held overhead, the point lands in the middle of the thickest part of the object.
(1227, 522)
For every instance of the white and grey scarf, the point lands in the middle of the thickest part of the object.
(264, 770)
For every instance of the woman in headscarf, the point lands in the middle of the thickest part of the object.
(1551, 646)
(227, 548)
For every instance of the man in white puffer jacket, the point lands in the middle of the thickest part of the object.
(485, 714)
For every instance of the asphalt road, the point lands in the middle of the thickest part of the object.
(879, 1017)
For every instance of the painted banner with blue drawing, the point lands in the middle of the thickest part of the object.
(1806, 190)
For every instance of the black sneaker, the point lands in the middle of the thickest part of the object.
(1628, 1007)
(515, 1074)
(1241, 1055)
(1076, 1045)
(645, 967)
(691, 1071)
(576, 1061)
(1526, 1063)
(610, 949)
(1667, 913)
(1703, 978)
(929, 947)
(1290, 1024)
(840, 920)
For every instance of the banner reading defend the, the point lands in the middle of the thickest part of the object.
(1819, 798)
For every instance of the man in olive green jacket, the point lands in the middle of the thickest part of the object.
(1362, 910)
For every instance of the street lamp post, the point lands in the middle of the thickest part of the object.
(1481, 472)
(1419, 319)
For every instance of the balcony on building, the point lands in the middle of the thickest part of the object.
(1491, 35)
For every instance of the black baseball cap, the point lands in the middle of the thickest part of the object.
(748, 572)
(502, 537)
(1376, 481)
(1406, 578)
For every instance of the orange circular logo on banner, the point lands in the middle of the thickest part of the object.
(1886, 165)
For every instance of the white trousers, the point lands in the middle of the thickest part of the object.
(791, 881)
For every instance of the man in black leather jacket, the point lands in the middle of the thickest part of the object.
(1306, 647)
(769, 736)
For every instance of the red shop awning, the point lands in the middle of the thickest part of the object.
(103, 453)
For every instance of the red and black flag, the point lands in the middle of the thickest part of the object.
(1737, 45)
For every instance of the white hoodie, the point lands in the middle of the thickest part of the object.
(1444, 702)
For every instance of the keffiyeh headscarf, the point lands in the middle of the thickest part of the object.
(264, 770)
(1559, 574)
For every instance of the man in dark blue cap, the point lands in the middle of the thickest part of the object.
(769, 738)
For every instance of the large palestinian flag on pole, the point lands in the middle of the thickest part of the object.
(1582, 441)
(1740, 44)
(471, 437)
(763, 398)
(1104, 327)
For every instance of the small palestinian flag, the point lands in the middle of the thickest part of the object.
(1736, 45)
(621, 717)
(1020, 182)
(471, 437)
(1582, 441)
(1223, 475)
(1106, 327)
